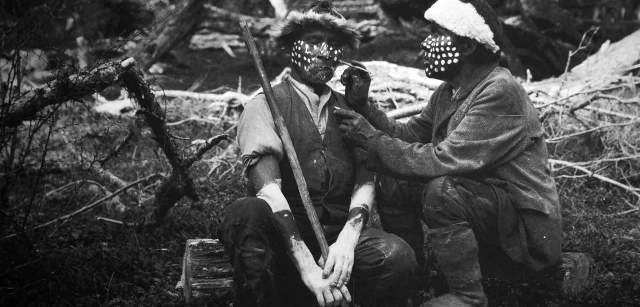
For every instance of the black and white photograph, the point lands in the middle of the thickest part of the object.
(345, 153)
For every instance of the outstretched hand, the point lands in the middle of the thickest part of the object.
(355, 127)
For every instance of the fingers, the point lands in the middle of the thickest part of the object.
(320, 299)
(344, 273)
(345, 114)
(328, 267)
(345, 293)
(334, 279)
(337, 296)
(347, 76)
(328, 297)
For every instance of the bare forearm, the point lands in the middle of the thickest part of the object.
(297, 249)
(361, 202)
(265, 178)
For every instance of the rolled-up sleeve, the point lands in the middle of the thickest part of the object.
(257, 136)
(492, 131)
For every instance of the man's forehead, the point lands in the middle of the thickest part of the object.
(319, 34)
(433, 27)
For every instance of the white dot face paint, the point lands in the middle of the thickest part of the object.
(440, 54)
(317, 61)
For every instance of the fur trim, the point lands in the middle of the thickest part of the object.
(462, 19)
(298, 23)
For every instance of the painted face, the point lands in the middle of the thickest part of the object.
(440, 55)
(315, 61)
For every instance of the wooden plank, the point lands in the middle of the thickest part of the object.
(207, 274)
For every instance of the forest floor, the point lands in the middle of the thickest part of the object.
(85, 261)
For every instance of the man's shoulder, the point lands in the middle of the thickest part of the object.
(502, 79)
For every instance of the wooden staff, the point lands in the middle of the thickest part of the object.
(286, 140)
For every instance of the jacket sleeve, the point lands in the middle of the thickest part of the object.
(492, 131)
(417, 129)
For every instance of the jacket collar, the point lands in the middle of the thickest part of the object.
(477, 75)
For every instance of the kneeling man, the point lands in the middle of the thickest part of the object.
(478, 145)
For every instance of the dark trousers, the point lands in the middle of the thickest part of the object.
(264, 274)
(445, 201)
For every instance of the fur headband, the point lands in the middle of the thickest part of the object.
(298, 23)
(462, 19)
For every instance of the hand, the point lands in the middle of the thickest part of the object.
(326, 293)
(356, 82)
(340, 259)
(355, 127)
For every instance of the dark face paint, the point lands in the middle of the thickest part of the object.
(315, 62)
(441, 56)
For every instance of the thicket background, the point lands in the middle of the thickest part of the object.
(69, 154)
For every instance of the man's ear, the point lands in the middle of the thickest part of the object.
(466, 46)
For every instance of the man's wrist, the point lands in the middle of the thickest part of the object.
(364, 108)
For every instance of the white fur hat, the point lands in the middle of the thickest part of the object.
(463, 19)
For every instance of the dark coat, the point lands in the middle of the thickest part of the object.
(489, 131)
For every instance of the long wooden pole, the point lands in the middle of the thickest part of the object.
(286, 140)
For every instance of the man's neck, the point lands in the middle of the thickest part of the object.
(465, 75)
(462, 77)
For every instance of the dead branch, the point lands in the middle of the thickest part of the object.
(179, 183)
(75, 183)
(628, 188)
(87, 207)
(204, 148)
(62, 90)
(562, 137)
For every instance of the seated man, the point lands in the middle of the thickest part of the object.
(269, 237)
(478, 145)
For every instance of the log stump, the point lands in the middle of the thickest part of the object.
(207, 275)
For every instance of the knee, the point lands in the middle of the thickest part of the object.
(440, 204)
(247, 210)
(245, 214)
(400, 259)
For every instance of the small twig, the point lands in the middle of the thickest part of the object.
(353, 66)
(585, 41)
(87, 207)
(628, 188)
(210, 143)
(393, 100)
(108, 220)
(609, 112)
(78, 182)
(562, 137)
(193, 118)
